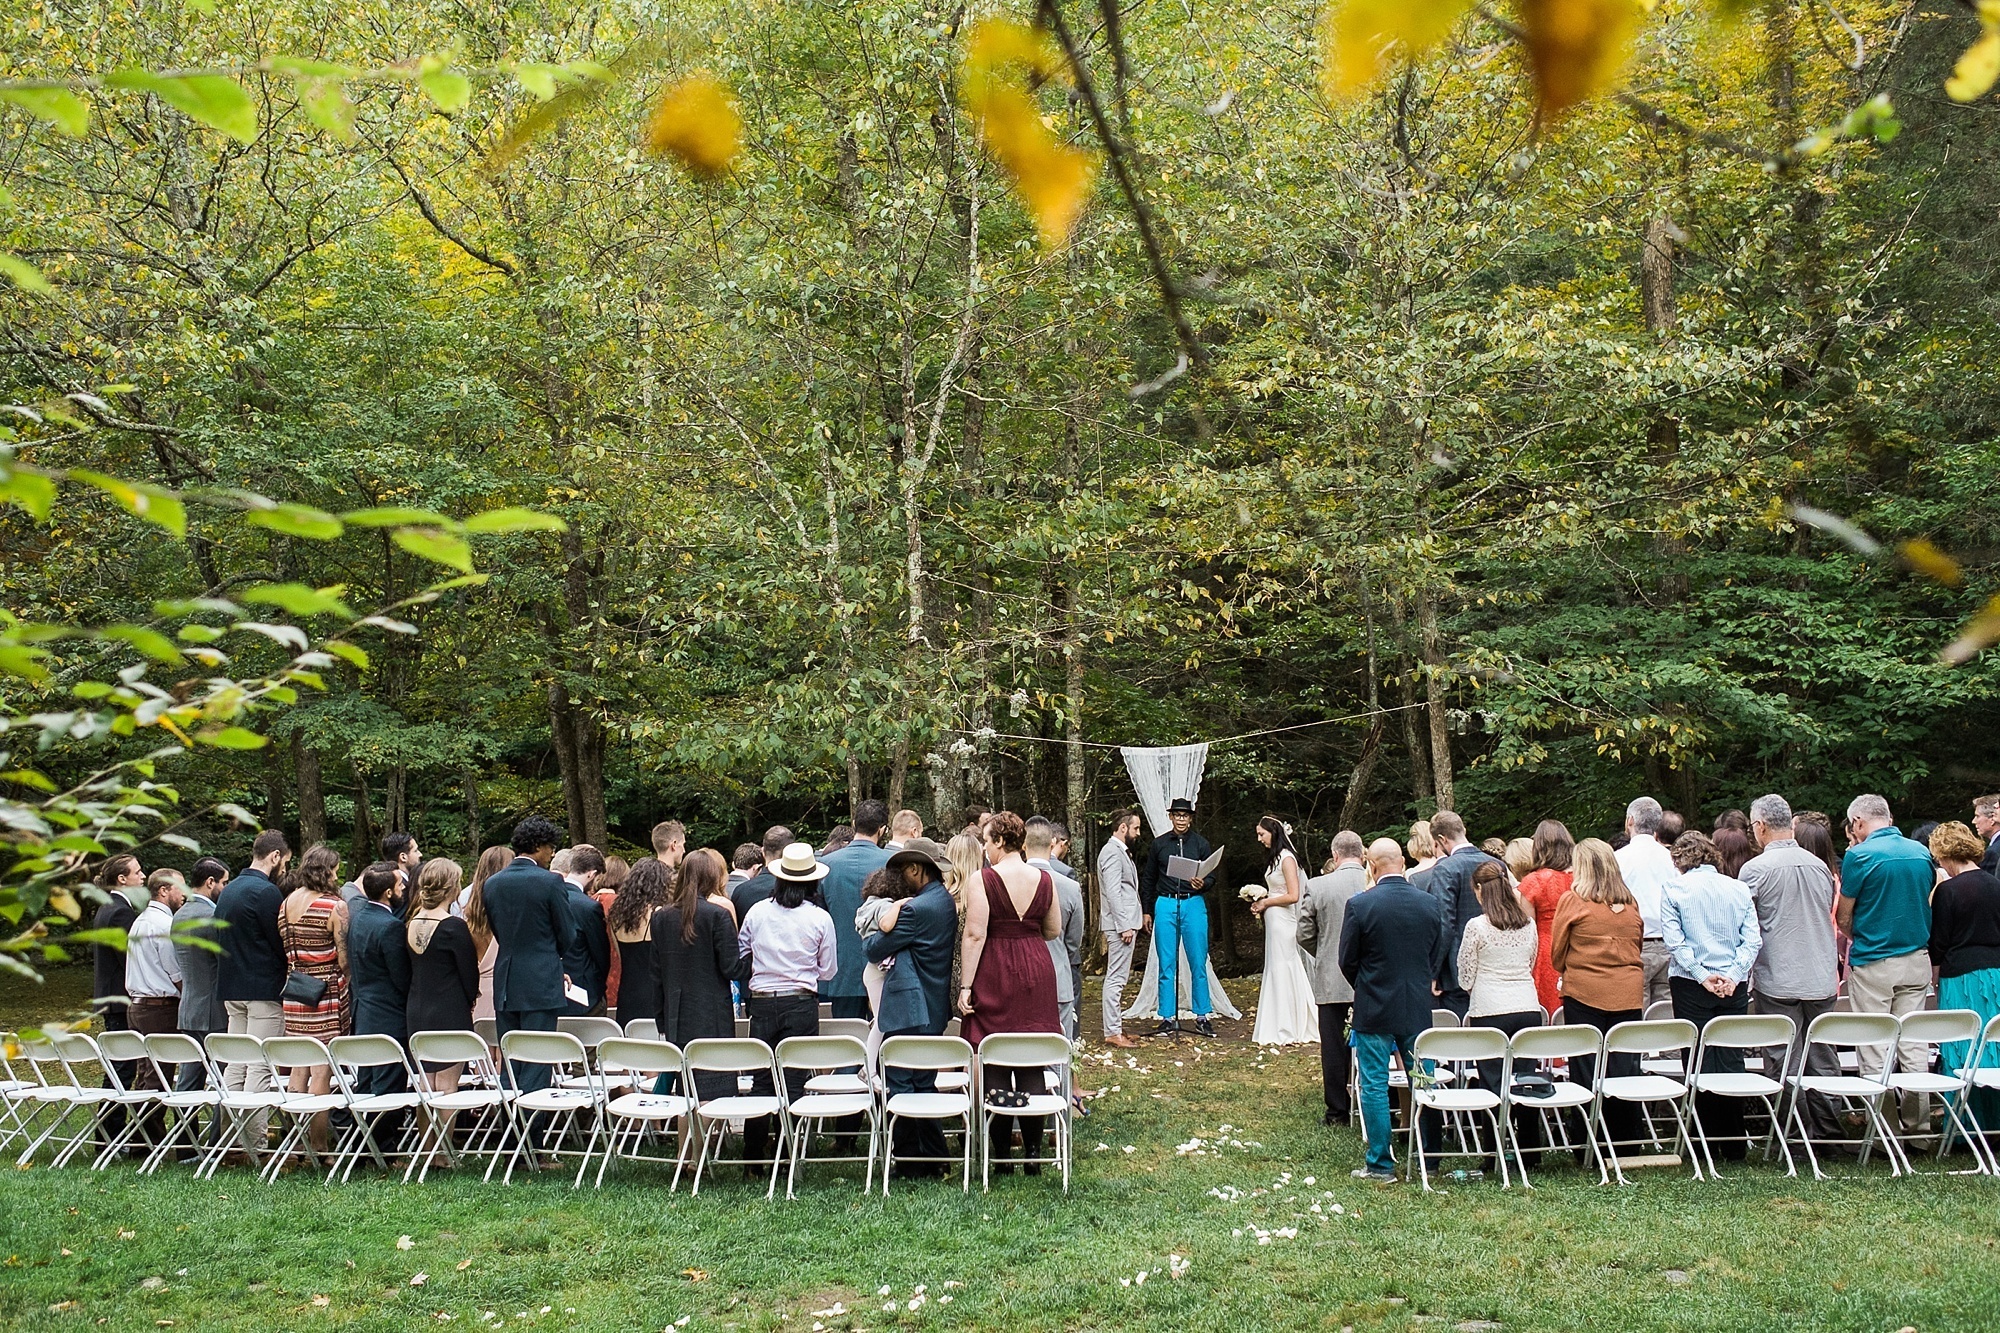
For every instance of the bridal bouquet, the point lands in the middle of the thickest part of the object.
(1253, 893)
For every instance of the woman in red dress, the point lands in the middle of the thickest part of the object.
(1010, 978)
(1544, 888)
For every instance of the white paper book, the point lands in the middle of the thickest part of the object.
(1187, 868)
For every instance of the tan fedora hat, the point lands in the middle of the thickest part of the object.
(799, 865)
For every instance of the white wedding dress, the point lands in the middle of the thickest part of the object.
(1286, 1011)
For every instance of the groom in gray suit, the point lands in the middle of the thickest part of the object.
(1321, 916)
(1120, 916)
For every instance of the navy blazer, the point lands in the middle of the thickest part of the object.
(588, 960)
(846, 871)
(253, 963)
(1391, 947)
(528, 910)
(926, 928)
(378, 969)
(1450, 882)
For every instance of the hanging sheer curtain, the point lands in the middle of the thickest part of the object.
(1162, 772)
(1159, 774)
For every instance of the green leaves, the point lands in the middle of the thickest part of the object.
(231, 738)
(299, 600)
(22, 274)
(148, 641)
(215, 100)
(450, 91)
(513, 520)
(297, 520)
(30, 490)
(437, 545)
(58, 106)
(155, 504)
(391, 517)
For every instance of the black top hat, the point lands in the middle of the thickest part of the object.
(1181, 806)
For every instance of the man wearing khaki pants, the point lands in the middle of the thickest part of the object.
(1885, 908)
(250, 974)
(1120, 917)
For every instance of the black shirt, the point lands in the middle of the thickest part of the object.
(1965, 924)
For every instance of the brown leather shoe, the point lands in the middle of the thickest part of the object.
(1120, 1040)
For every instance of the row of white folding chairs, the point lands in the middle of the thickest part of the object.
(1675, 1092)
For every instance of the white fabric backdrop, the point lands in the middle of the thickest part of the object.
(1146, 1004)
(1162, 772)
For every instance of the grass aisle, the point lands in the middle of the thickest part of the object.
(1256, 1224)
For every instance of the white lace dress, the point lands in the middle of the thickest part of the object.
(1286, 1013)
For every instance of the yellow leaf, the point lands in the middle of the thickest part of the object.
(1577, 47)
(1355, 36)
(697, 123)
(1053, 179)
(1974, 74)
(1979, 631)
(1927, 559)
(61, 901)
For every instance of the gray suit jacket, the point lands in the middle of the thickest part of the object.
(1066, 949)
(1321, 914)
(201, 1008)
(1118, 905)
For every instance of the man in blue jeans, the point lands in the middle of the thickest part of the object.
(1391, 947)
(1180, 919)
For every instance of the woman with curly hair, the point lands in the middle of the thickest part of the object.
(648, 887)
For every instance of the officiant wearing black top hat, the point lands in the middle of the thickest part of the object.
(1180, 918)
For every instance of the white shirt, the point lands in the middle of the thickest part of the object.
(791, 949)
(1648, 868)
(151, 970)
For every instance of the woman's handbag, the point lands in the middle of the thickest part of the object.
(303, 988)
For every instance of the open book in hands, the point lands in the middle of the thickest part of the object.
(1188, 869)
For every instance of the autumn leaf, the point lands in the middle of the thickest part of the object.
(1978, 632)
(1355, 38)
(696, 122)
(1053, 179)
(1977, 70)
(1925, 558)
(1577, 47)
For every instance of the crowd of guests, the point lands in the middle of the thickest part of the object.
(1762, 915)
(882, 924)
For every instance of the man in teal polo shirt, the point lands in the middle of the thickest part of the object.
(1885, 908)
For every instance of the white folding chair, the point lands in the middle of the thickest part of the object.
(573, 1091)
(59, 1095)
(1744, 1033)
(845, 1027)
(1445, 1018)
(241, 1109)
(1561, 1042)
(18, 1104)
(740, 1058)
(480, 1093)
(826, 1056)
(351, 1055)
(76, 1050)
(1984, 1063)
(124, 1046)
(298, 1109)
(1844, 1032)
(1458, 1105)
(1658, 1010)
(593, 1033)
(1933, 1027)
(641, 1112)
(1647, 1090)
(644, 1029)
(1030, 1050)
(171, 1050)
(934, 1055)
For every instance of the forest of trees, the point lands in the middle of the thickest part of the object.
(1490, 453)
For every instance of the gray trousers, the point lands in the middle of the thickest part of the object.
(1820, 1061)
(1117, 971)
(1653, 958)
(258, 1018)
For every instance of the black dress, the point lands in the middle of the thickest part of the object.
(638, 987)
(444, 978)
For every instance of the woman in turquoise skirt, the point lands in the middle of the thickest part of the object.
(1965, 950)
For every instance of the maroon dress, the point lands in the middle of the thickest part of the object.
(1015, 987)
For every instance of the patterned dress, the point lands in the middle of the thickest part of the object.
(310, 947)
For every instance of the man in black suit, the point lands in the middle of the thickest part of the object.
(588, 961)
(763, 884)
(1450, 882)
(1986, 818)
(122, 879)
(920, 940)
(378, 963)
(527, 909)
(1391, 947)
(250, 975)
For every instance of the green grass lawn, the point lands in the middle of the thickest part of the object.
(1754, 1252)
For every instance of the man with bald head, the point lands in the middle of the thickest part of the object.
(1392, 944)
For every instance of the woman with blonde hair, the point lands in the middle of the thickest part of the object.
(491, 862)
(1520, 858)
(1422, 848)
(1595, 947)
(444, 965)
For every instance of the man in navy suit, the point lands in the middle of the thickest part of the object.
(378, 962)
(1450, 882)
(921, 941)
(526, 905)
(1391, 947)
(588, 961)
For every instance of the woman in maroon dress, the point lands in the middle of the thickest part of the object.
(1010, 978)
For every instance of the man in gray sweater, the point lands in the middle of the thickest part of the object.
(1795, 973)
(1320, 917)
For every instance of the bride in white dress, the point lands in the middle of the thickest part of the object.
(1286, 1013)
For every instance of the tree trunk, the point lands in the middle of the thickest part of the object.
(1434, 669)
(312, 798)
(1656, 274)
(899, 771)
(475, 835)
(854, 791)
(579, 742)
(364, 823)
(1364, 772)
(395, 801)
(274, 787)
